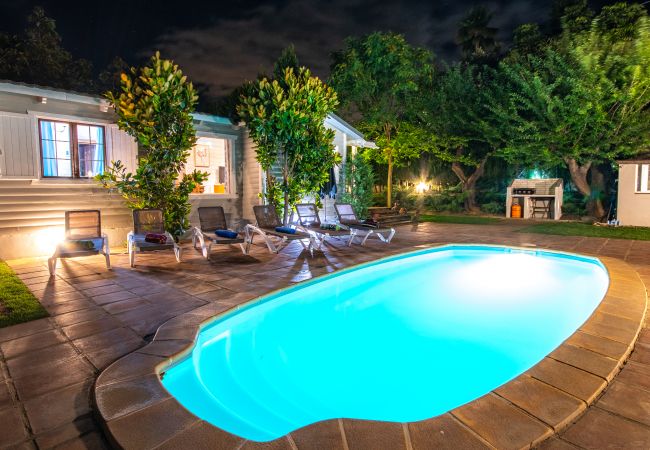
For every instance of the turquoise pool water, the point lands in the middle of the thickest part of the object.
(401, 339)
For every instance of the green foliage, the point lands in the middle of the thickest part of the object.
(380, 77)
(477, 39)
(285, 120)
(37, 56)
(17, 303)
(495, 208)
(449, 199)
(358, 182)
(155, 106)
(583, 102)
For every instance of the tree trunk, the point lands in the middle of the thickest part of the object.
(579, 177)
(598, 187)
(469, 183)
(389, 183)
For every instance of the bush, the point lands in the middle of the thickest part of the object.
(358, 181)
(451, 199)
(496, 208)
(574, 204)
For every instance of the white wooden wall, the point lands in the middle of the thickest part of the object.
(120, 146)
(17, 146)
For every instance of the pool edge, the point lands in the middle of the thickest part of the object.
(137, 412)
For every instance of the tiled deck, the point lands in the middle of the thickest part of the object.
(47, 367)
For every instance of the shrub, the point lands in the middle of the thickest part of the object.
(358, 181)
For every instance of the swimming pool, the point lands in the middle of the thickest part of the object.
(401, 339)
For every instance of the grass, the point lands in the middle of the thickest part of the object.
(588, 230)
(467, 220)
(17, 303)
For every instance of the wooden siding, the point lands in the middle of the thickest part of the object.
(252, 182)
(120, 146)
(17, 145)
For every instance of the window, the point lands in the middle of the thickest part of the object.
(212, 155)
(643, 177)
(71, 150)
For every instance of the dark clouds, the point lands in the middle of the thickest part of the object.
(229, 50)
(221, 44)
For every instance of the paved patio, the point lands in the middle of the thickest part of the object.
(48, 367)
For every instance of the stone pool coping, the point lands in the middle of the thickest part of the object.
(137, 412)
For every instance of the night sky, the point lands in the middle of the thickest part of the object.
(221, 44)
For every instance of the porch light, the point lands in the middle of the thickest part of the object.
(48, 238)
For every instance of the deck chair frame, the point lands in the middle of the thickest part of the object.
(274, 240)
(348, 217)
(309, 221)
(203, 234)
(136, 237)
(93, 232)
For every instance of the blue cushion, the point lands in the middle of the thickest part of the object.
(226, 234)
(287, 230)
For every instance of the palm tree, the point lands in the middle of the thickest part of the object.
(476, 38)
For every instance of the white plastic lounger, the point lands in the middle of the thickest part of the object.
(149, 221)
(310, 223)
(348, 217)
(267, 221)
(83, 237)
(213, 218)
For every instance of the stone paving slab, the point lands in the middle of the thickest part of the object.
(162, 289)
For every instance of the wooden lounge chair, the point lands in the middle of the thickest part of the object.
(310, 222)
(211, 219)
(348, 217)
(267, 221)
(83, 237)
(149, 221)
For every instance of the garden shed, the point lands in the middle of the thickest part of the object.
(537, 198)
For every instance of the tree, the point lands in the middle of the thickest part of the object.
(477, 39)
(358, 182)
(155, 105)
(460, 115)
(584, 102)
(38, 57)
(379, 78)
(285, 118)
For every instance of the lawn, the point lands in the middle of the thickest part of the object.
(468, 220)
(17, 304)
(588, 230)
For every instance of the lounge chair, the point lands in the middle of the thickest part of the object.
(310, 222)
(149, 221)
(348, 217)
(211, 219)
(267, 221)
(83, 237)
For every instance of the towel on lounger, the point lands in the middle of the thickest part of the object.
(287, 230)
(155, 238)
(226, 234)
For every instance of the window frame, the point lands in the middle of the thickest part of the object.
(229, 148)
(638, 181)
(74, 147)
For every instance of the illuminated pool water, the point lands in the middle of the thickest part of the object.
(401, 339)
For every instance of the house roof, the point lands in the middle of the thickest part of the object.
(640, 158)
(355, 136)
(15, 87)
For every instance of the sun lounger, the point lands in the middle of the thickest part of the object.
(310, 222)
(149, 221)
(211, 219)
(347, 216)
(267, 221)
(83, 237)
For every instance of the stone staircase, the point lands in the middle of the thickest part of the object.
(389, 217)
